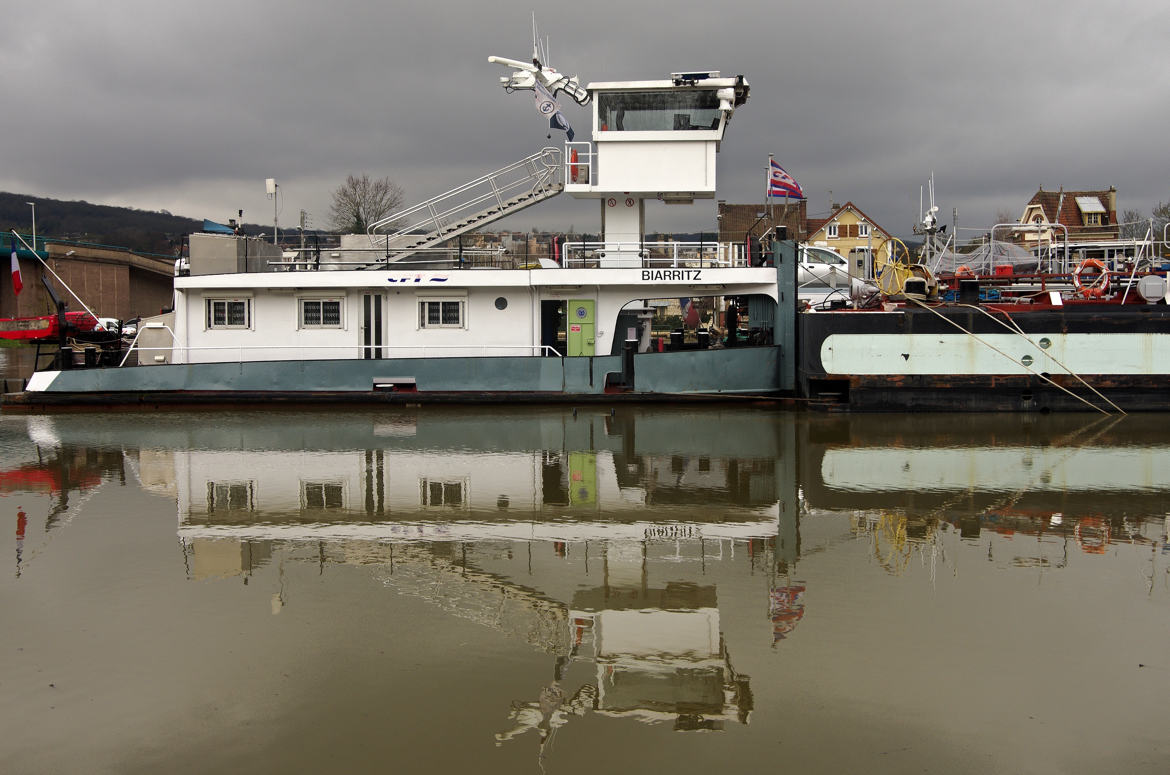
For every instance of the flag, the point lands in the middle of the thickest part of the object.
(780, 183)
(547, 106)
(17, 282)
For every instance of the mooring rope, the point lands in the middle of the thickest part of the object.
(1015, 328)
(1010, 358)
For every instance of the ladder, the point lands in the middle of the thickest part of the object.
(498, 194)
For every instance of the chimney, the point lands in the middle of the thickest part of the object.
(1112, 197)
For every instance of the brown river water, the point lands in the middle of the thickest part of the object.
(567, 591)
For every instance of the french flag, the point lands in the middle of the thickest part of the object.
(17, 282)
(780, 183)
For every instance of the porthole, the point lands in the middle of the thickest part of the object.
(1026, 360)
(501, 303)
(1045, 343)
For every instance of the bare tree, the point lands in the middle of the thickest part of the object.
(362, 200)
(1133, 225)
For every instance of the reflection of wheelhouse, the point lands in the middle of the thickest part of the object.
(660, 655)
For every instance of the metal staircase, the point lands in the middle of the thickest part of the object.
(483, 200)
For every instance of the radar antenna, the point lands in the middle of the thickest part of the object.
(525, 75)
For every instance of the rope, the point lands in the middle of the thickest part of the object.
(984, 342)
(1015, 328)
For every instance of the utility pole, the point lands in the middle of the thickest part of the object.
(33, 205)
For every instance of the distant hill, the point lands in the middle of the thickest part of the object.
(125, 227)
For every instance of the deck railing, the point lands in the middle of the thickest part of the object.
(248, 353)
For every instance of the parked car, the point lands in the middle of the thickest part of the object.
(823, 273)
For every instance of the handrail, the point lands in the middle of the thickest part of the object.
(541, 173)
(147, 327)
(536, 350)
(654, 254)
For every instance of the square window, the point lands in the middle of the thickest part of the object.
(441, 313)
(225, 497)
(323, 495)
(832, 231)
(229, 313)
(320, 313)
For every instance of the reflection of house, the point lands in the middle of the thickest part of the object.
(1088, 216)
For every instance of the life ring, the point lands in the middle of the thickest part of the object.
(573, 168)
(964, 271)
(1099, 284)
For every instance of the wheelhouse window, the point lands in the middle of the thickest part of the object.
(320, 313)
(659, 111)
(229, 313)
(441, 313)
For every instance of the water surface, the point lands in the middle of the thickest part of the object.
(680, 590)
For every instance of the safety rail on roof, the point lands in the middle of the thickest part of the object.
(708, 255)
(504, 192)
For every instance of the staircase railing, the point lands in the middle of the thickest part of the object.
(511, 188)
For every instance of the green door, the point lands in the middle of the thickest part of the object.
(581, 325)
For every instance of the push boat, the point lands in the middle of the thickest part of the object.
(394, 316)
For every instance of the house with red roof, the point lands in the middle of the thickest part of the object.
(1086, 216)
(846, 229)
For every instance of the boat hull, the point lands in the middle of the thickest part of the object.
(686, 375)
(961, 358)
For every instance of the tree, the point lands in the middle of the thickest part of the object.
(361, 201)
(1133, 225)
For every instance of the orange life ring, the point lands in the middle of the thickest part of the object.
(573, 170)
(964, 271)
(1099, 285)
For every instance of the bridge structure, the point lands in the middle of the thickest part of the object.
(113, 282)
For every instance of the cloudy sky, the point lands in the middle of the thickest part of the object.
(188, 107)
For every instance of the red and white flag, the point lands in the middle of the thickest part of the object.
(780, 183)
(17, 282)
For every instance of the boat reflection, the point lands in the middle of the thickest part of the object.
(580, 533)
(1084, 483)
(604, 540)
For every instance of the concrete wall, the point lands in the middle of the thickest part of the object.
(111, 282)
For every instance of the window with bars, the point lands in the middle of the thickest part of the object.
(440, 313)
(322, 495)
(229, 313)
(321, 313)
(230, 496)
(449, 493)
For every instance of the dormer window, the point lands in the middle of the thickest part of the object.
(1092, 211)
